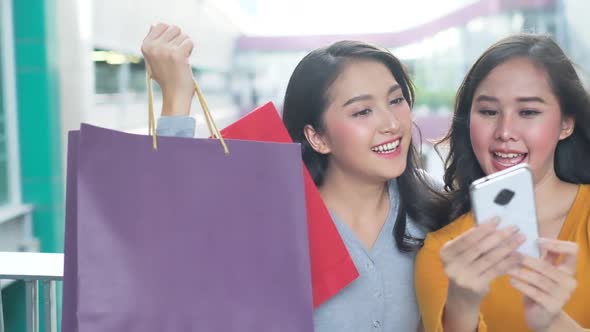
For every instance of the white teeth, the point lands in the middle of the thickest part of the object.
(387, 147)
(508, 155)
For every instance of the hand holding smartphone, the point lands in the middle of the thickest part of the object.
(508, 195)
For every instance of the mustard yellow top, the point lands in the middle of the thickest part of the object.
(502, 309)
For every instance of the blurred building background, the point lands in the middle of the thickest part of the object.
(69, 61)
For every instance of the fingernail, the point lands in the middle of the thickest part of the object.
(541, 241)
(513, 228)
(493, 223)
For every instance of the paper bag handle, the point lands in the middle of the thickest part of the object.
(213, 130)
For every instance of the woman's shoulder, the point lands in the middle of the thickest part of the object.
(450, 231)
(584, 197)
(581, 209)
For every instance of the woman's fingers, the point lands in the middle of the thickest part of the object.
(170, 33)
(156, 31)
(562, 254)
(481, 251)
(479, 256)
(466, 241)
(179, 39)
(535, 279)
(548, 302)
(501, 260)
(549, 281)
(187, 46)
(545, 268)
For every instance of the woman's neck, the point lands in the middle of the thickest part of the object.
(553, 198)
(352, 198)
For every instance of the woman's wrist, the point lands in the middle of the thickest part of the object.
(461, 312)
(176, 104)
(564, 323)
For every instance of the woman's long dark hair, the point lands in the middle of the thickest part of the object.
(572, 156)
(306, 100)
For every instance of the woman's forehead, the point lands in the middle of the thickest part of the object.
(516, 78)
(362, 77)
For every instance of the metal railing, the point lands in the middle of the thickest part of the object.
(34, 268)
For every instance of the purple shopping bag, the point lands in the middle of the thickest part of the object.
(184, 238)
(70, 289)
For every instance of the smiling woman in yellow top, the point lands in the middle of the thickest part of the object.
(521, 102)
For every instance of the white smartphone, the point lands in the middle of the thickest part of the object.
(508, 195)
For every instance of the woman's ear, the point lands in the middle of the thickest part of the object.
(567, 127)
(315, 140)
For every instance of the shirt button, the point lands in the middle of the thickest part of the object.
(378, 295)
(376, 324)
(369, 266)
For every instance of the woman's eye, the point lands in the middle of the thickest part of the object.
(488, 112)
(529, 112)
(364, 112)
(397, 101)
